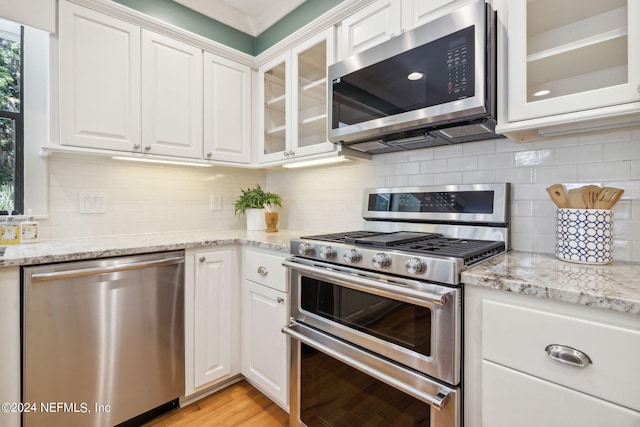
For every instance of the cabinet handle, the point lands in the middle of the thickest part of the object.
(202, 259)
(292, 153)
(136, 146)
(147, 147)
(568, 355)
(263, 271)
(286, 154)
(280, 300)
(209, 154)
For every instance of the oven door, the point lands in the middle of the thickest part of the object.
(336, 384)
(415, 323)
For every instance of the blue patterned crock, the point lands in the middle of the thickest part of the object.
(584, 235)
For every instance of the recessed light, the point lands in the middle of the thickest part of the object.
(415, 76)
(542, 92)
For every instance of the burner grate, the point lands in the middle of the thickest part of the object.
(471, 251)
(343, 237)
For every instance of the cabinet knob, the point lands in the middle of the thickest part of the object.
(202, 259)
(280, 300)
(568, 355)
(286, 154)
(292, 153)
(136, 146)
(263, 271)
(147, 147)
(209, 154)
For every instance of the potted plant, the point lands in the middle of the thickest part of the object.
(253, 202)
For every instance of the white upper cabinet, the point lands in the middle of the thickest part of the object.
(227, 110)
(292, 89)
(570, 62)
(371, 26)
(99, 80)
(384, 19)
(172, 81)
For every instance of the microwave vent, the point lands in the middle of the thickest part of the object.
(368, 146)
(466, 131)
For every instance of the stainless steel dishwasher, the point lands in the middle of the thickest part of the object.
(103, 340)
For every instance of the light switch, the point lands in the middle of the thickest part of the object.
(92, 202)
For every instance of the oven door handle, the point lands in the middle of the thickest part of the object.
(434, 298)
(405, 380)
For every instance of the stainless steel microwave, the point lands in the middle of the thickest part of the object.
(433, 85)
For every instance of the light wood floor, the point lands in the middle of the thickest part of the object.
(237, 405)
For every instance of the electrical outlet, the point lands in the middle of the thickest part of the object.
(216, 202)
(92, 202)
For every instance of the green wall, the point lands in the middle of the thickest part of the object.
(183, 17)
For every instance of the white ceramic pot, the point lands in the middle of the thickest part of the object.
(255, 219)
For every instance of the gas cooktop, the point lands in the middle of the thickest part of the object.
(427, 244)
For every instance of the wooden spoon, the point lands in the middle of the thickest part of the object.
(607, 197)
(590, 195)
(576, 198)
(558, 195)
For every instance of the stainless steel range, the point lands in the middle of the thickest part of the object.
(377, 313)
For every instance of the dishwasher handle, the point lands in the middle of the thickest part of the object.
(83, 272)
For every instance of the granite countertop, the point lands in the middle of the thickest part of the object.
(107, 246)
(614, 286)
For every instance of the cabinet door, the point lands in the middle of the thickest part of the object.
(309, 95)
(171, 97)
(370, 26)
(274, 111)
(571, 56)
(512, 398)
(99, 80)
(212, 316)
(265, 349)
(227, 110)
(418, 12)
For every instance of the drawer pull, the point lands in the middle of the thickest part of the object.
(568, 355)
(263, 271)
(280, 300)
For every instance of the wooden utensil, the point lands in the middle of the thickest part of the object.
(576, 198)
(590, 193)
(558, 195)
(607, 197)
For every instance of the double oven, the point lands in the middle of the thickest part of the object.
(376, 314)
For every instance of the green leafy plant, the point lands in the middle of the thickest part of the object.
(255, 198)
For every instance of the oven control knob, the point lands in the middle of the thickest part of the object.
(327, 252)
(305, 249)
(415, 266)
(351, 256)
(381, 260)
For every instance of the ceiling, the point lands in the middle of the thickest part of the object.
(249, 16)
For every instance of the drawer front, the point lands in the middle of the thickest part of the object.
(266, 269)
(511, 398)
(517, 337)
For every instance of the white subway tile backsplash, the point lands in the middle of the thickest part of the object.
(554, 174)
(495, 161)
(146, 198)
(533, 158)
(579, 154)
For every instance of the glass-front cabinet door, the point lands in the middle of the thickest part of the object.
(309, 60)
(293, 101)
(274, 93)
(571, 55)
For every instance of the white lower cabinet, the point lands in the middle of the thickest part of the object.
(512, 398)
(265, 310)
(513, 378)
(10, 347)
(212, 310)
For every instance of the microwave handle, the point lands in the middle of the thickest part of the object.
(394, 375)
(434, 298)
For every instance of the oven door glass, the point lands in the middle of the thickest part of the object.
(335, 394)
(396, 322)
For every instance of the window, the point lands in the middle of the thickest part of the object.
(11, 118)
